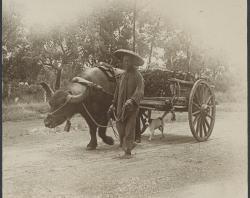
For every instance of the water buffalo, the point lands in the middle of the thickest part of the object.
(66, 103)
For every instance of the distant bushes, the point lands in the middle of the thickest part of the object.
(15, 112)
(22, 93)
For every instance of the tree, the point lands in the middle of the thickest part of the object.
(14, 48)
(32, 55)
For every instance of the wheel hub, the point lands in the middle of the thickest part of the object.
(204, 107)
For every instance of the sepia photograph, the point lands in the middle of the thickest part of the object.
(124, 99)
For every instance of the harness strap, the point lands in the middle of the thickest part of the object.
(98, 124)
(109, 72)
(64, 104)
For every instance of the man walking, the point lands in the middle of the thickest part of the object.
(127, 97)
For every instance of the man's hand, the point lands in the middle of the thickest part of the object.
(111, 111)
(129, 104)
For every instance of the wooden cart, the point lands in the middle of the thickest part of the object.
(195, 97)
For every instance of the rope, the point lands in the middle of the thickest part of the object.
(108, 125)
(101, 125)
(55, 111)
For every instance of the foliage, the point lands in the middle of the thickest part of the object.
(157, 82)
(17, 112)
(33, 54)
(22, 92)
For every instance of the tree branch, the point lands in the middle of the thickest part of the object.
(50, 64)
(63, 50)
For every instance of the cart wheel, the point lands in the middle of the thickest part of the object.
(201, 110)
(144, 114)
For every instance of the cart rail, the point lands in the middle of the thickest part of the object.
(196, 98)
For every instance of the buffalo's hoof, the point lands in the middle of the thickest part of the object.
(108, 140)
(89, 148)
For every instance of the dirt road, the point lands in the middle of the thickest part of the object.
(38, 162)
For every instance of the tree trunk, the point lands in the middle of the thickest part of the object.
(58, 78)
(150, 52)
(171, 62)
(44, 96)
(189, 58)
(9, 90)
(153, 40)
(134, 18)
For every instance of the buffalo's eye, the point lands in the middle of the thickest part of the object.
(52, 109)
(49, 116)
(51, 103)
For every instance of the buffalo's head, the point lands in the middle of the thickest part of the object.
(63, 105)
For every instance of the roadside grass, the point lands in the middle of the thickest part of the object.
(27, 111)
(23, 111)
(234, 100)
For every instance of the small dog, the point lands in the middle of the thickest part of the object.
(158, 123)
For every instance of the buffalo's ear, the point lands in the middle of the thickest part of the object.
(49, 91)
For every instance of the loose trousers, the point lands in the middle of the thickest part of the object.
(126, 130)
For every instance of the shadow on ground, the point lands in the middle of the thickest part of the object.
(169, 139)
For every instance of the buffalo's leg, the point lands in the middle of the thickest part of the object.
(93, 141)
(102, 134)
(92, 130)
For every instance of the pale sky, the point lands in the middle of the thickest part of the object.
(218, 24)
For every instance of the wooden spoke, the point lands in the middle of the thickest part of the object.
(198, 126)
(204, 127)
(196, 98)
(210, 106)
(201, 123)
(208, 115)
(201, 94)
(195, 119)
(206, 122)
(196, 105)
(196, 112)
(208, 99)
(206, 94)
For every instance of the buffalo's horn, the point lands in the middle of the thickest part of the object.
(86, 82)
(82, 81)
(47, 88)
(77, 98)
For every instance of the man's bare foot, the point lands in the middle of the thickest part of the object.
(126, 156)
(138, 140)
(134, 145)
